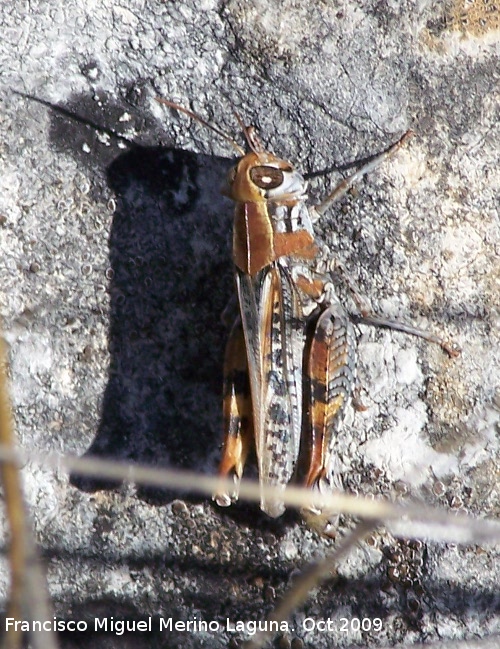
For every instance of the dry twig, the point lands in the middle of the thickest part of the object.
(436, 524)
(29, 594)
(311, 578)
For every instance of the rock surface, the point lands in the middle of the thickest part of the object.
(115, 267)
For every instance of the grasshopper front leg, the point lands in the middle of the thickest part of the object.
(344, 185)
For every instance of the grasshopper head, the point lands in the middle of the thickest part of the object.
(261, 177)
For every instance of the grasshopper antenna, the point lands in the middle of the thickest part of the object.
(251, 136)
(197, 118)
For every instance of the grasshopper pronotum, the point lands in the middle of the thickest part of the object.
(289, 368)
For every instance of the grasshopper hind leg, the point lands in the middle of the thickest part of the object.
(237, 415)
(330, 360)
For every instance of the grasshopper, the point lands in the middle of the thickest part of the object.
(290, 361)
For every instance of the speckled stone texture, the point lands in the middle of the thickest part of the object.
(115, 268)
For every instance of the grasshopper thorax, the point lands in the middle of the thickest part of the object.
(270, 219)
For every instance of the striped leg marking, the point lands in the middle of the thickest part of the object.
(331, 377)
(237, 414)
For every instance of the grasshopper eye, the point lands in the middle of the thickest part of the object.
(266, 177)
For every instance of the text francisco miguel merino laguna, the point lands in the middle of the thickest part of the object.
(119, 627)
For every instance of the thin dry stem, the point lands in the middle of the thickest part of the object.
(14, 507)
(29, 594)
(492, 642)
(315, 575)
(441, 525)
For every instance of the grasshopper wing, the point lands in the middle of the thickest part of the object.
(273, 326)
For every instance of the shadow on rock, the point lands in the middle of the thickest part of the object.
(170, 280)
